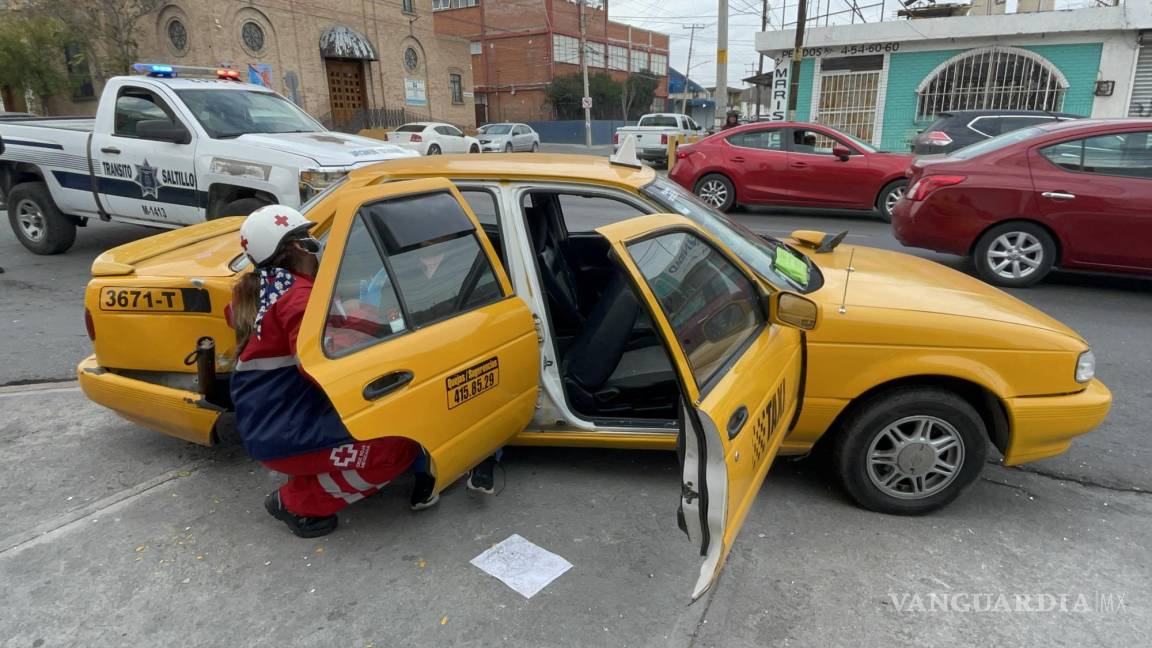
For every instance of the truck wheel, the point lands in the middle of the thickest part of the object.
(888, 197)
(717, 191)
(1014, 255)
(910, 451)
(241, 207)
(36, 220)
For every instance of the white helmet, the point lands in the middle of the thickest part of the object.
(265, 228)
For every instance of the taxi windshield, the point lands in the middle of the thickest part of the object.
(773, 260)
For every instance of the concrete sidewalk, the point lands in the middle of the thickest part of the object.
(117, 536)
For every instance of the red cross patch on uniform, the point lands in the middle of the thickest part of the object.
(282, 220)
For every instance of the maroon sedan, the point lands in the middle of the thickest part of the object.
(1073, 194)
(791, 164)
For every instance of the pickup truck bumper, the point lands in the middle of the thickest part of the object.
(650, 154)
(175, 412)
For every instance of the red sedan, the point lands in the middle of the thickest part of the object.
(1072, 194)
(791, 164)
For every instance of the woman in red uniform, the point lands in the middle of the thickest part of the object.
(284, 419)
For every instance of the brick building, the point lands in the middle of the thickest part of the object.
(335, 58)
(519, 46)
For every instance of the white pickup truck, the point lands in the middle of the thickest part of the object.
(652, 133)
(167, 151)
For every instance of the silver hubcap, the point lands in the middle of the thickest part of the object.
(713, 192)
(892, 197)
(915, 457)
(1015, 255)
(31, 220)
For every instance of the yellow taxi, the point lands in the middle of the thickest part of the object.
(581, 302)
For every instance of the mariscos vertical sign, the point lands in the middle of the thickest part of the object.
(778, 97)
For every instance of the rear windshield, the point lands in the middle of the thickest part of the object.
(658, 120)
(411, 128)
(996, 143)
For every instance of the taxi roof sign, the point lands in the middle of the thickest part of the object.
(626, 154)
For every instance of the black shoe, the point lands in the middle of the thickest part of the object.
(483, 477)
(302, 527)
(424, 493)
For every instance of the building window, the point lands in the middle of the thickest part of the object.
(177, 36)
(595, 54)
(411, 59)
(253, 36)
(617, 58)
(476, 47)
(442, 5)
(565, 49)
(848, 94)
(659, 64)
(639, 61)
(996, 78)
(406, 6)
(78, 73)
(457, 84)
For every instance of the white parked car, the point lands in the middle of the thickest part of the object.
(433, 138)
(508, 138)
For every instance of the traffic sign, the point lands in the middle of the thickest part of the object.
(586, 103)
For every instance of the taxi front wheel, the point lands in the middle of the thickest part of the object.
(910, 451)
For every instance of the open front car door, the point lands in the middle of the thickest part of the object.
(413, 330)
(739, 372)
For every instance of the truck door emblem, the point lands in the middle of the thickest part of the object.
(146, 178)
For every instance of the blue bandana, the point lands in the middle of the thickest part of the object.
(274, 282)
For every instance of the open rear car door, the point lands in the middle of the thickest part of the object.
(413, 329)
(739, 372)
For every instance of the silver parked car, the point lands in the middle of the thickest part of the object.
(508, 137)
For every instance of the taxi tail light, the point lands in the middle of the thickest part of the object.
(928, 184)
(89, 325)
(416, 138)
(937, 138)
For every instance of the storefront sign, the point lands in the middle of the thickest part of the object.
(414, 93)
(778, 90)
(846, 50)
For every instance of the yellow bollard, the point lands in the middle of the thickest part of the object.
(673, 143)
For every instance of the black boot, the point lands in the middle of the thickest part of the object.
(424, 493)
(302, 527)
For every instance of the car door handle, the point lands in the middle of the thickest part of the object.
(1058, 195)
(736, 421)
(111, 150)
(737, 159)
(799, 165)
(386, 384)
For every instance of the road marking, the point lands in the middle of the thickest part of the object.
(62, 523)
(39, 388)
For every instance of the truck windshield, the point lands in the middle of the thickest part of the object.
(231, 113)
(776, 262)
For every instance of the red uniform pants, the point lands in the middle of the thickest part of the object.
(325, 481)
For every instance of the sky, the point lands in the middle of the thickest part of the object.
(670, 17)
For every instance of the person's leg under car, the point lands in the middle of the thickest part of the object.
(322, 483)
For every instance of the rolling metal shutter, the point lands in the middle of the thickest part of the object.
(1141, 105)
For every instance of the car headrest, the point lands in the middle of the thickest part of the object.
(538, 227)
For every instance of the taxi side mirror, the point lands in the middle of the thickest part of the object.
(793, 310)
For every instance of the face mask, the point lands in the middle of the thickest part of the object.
(312, 246)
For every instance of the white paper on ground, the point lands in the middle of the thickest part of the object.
(522, 565)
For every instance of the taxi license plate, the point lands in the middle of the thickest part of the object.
(141, 299)
(465, 385)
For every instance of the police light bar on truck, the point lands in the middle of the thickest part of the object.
(163, 71)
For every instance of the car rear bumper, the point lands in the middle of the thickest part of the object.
(1044, 426)
(919, 224)
(176, 412)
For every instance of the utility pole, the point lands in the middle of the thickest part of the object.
(584, 71)
(760, 65)
(721, 96)
(797, 56)
(688, 66)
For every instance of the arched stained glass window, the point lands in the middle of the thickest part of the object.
(994, 78)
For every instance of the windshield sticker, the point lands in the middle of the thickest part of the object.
(791, 266)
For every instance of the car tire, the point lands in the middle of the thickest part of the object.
(38, 224)
(717, 191)
(241, 207)
(535, 147)
(1014, 255)
(508, 147)
(888, 197)
(896, 443)
(474, 149)
(433, 149)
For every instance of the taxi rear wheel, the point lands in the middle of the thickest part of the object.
(910, 451)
